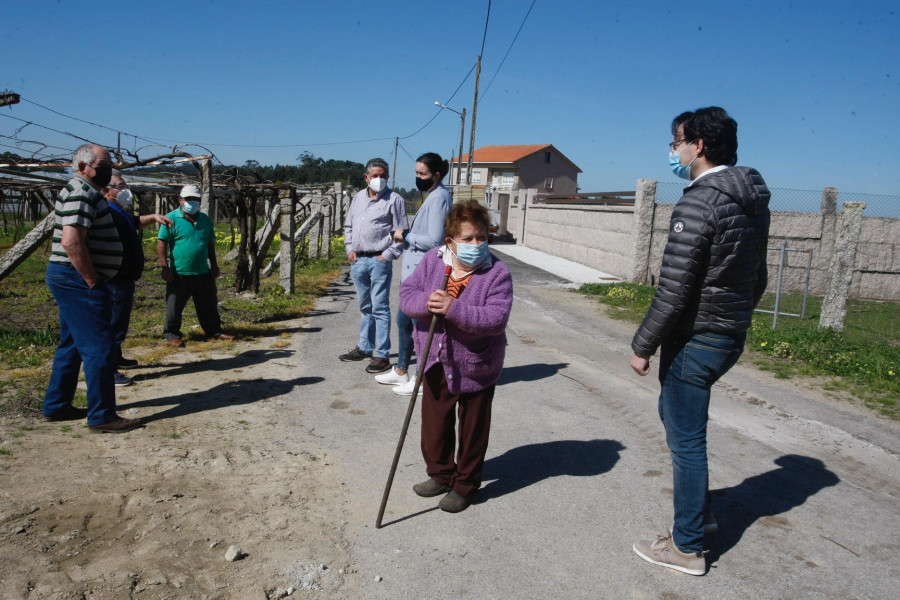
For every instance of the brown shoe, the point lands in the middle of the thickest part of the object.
(117, 425)
(453, 503)
(430, 488)
(176, 342)
(378, 365)
(223, 336)
(68, 413)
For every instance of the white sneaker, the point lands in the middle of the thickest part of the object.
(392, 377)
(406, 389)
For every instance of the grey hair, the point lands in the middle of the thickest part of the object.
(378, 162)
(83, 154)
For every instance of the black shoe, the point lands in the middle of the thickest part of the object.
(68, 413)
(430, 488)
(453, 503)
(378, 365)
(126, 362)
(355, 354)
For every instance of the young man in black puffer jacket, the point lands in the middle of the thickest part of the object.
(712, 276)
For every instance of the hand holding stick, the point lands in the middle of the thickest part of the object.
(412, 404)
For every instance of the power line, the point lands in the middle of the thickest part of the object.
(508, 50)
(486, 20)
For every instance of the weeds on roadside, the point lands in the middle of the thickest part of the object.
(868, 368)
(29, 323)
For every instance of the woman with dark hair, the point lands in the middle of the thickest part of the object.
(425, 233)
(466, 357)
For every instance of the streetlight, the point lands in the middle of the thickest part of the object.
(462, 129)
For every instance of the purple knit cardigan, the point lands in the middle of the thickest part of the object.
(470, 342)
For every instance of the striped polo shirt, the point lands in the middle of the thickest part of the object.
(81, 204)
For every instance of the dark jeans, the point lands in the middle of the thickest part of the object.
(202, 288)
(405, 340)
(85, 336)
(439, 412)
(687, 372)
(122, 295)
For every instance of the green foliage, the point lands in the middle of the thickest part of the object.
(864, 360)
(310, 170)
(629, 301)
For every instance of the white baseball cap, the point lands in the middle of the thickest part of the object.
(190, 191)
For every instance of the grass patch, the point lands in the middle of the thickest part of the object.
(863, 360)
(29, 320)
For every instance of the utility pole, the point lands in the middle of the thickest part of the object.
(474, 114)
(396, 143)
(7, 98)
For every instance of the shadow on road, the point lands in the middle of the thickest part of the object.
(526, 465)
(761, 497)
(241, 361)
(529, 372)
(229, 392)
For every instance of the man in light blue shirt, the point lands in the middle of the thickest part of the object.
(375, 213)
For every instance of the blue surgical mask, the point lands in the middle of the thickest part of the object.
(191, 207)
(472, 255)
(682, 171)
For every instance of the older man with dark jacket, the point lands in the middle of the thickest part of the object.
(712, 276)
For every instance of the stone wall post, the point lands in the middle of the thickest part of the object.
(526, 198)
(642, 230)
(840, 271)
(829, 201)
(288, 201)
(207, 198)
(315, 234)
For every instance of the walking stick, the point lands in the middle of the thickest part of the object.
(409, 411)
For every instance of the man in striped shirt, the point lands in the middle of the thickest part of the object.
(86, 252)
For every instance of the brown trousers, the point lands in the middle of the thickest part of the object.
(439, 438)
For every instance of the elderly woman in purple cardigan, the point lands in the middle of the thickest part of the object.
(466, 357)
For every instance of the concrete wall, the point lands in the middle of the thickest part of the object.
(603, 237)
(596, 236)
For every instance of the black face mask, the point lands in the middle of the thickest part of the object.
(424, 184)
(103, 176)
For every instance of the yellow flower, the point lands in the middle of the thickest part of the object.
(764, 344)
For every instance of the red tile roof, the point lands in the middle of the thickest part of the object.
(504, 154)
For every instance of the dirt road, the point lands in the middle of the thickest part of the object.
(280, 449)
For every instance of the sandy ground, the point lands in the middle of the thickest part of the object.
(152, 513)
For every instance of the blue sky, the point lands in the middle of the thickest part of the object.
(814, 86)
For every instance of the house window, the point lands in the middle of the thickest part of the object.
(476, 176)
(548, 183)
(547, 157)
(509, 177)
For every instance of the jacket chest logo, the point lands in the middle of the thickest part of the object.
(678, 227)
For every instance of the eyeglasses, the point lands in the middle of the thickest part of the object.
(119, 186)
(676, 143)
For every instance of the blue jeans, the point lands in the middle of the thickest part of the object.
(85, 335)
(404, 340)
(122, 296)
(372, 278)
(687, 371)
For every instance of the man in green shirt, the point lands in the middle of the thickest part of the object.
(187, 255)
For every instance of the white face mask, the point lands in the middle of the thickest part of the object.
(376, 184)
(125, 199)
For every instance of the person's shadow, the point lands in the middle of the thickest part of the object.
(521, 467)
(227, 393)
(529, 372)
(766, 495)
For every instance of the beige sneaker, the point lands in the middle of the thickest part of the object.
(664, 553)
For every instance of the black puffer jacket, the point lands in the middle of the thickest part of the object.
(713, 270)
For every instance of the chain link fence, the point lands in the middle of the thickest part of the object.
(810, 201)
